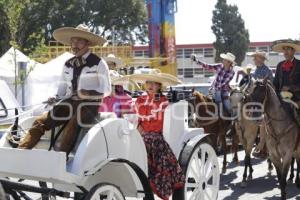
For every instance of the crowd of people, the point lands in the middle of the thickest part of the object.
(88, 85)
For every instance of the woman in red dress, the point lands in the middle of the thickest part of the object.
(165, 174)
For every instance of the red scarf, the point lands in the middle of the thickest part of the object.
(287, 66)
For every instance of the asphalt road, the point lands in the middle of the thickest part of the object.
(261, 187)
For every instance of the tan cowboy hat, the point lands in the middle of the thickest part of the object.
(261, 54)
(118, 79)
(112, 58)
(248, 67)
(64, 35)
(154, 75)
(228, 56)
(278, 45)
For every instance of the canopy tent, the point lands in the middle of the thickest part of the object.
(9, 68)
(43, 80)
(8, 62)
(8, 100)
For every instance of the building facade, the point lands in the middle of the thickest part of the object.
(189, 72)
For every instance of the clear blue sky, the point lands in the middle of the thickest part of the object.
(266, 20)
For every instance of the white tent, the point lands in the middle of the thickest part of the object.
(8, 100)
(8, 62)
(9, 67)
(43, 80)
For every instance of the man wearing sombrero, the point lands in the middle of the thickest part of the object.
(261, 71)
(288, 71)
(225, 74)
(84, 82)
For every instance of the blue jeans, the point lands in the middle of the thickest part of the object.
(223, 97)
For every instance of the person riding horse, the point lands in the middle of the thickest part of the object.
(262, 71)
(225, 74)
(287, 81)
(85, 81)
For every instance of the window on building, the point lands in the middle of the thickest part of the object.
(188, 52)
(138, 53)
(208, 52)
(180, 72)
(146, 53)
(265, 49)
(198, 52)
(198, 71)
(272, 53)
(188, 73)
(179, 53)
(252, 49)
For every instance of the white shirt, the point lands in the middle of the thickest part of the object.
(91, 78)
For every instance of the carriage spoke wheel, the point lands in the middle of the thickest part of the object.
(105, 191)
(202, 174)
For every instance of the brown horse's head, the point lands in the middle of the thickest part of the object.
(202, 104)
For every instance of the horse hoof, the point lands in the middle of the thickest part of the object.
(290, 181)
(249, 178)
(236, 162)
(244, 184)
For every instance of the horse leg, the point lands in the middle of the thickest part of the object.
(270, 167)
(285, 169)
(225, 153)
(291, 178)
(298, 174)
(250, 177)
(235, 146)
(244, 182)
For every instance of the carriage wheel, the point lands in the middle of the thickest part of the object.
(2, 193)
(202, 174)
(105, 191)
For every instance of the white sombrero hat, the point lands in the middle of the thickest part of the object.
(278, 45)
(64, 35)
(258, 53)
(114, 59)
(248, 67)
(118, 79)
(228, 56)
(154, 75)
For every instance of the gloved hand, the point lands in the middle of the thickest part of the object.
(193, 57)
(51, 100)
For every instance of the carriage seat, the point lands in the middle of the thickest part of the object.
(46, 138)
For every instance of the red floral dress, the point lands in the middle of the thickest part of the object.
(165, 174)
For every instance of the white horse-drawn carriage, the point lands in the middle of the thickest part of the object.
(109, 161)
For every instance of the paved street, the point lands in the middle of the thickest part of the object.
(261, 187)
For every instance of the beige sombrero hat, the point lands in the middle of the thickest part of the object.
(248, 67)
(228, 56)
(64, 35)
(278, 45)
(114, 59)
(258, 53)
(118, 79)
(154, 75)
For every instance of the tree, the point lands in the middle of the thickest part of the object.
(38, 19)
(229, 29)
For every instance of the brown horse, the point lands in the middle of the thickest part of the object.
(247, 129)
(282, 131)
(206, 116)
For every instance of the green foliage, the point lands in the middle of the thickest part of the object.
(229, 29)
(28, 24)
